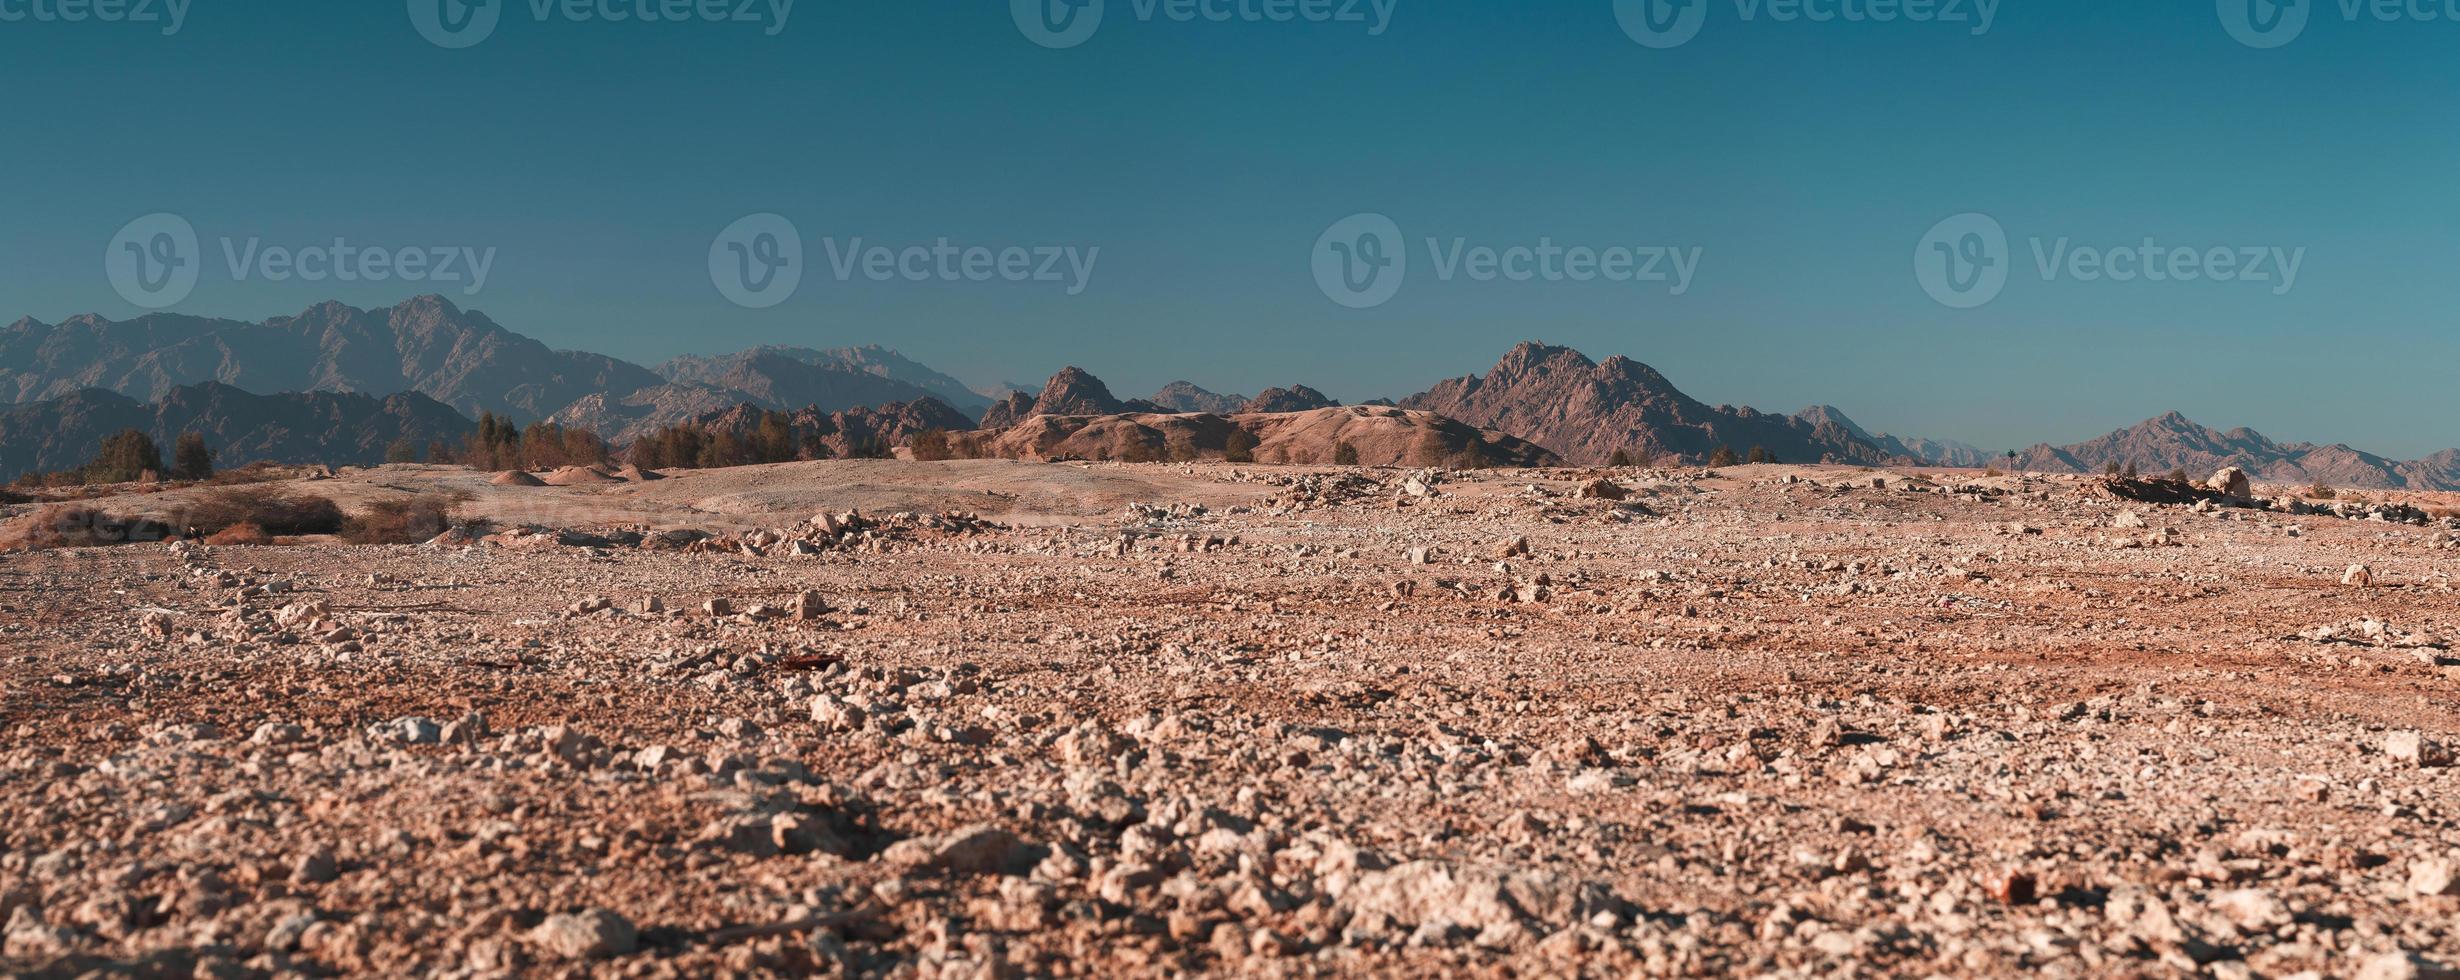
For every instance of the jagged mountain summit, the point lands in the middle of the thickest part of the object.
(1587, 410)
(1073, 391)
(2173, 441)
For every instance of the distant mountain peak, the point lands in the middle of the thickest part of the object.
(1587, 412)
(2171, 441)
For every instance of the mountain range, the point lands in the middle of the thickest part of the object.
(2173, 441)
(423, 367)
(292, 427)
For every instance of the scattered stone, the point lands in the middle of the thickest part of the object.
(589, 934)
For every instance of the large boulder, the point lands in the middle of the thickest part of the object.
(2232, 481)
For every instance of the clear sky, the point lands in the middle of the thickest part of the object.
(1805, 160)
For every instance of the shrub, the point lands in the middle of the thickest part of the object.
(271, 509)
(400, 520)
(1345, 454)
(190, 460)
(1625, 457)
(1760, 454)
(1241, 448)
(261, 471)
(124, 456)
(871, 448)
(2320, 492)
(1724, 456)
(247, 534)
(931, 445)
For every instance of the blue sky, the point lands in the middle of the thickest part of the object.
(1805, 161)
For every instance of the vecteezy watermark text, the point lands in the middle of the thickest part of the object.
(171, 14)
(2265, 24)
(155, 261)
(1965, 262)
(757, 262)
(464, 23)
(1362, 260)
(1673, 23)
(1068, 23)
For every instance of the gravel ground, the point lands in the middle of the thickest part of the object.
(1201, 719)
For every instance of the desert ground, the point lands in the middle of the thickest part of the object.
(987, 718)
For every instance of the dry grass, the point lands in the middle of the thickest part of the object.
(403, 520)
(272, 510)
(76, 526)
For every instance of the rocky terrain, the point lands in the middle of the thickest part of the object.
(886, 718)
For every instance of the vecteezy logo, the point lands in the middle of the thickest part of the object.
(2265, 23)
(1661, 23)
(1361, 261)
(757, 262)
(153, 262)
(1057, 23)
(1963, 261)
(455, 23)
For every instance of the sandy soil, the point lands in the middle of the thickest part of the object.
(1138, 720)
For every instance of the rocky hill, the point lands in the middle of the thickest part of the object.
(1586, 411)
(313, 427)
(1381, 437)
(2173, 441)
(1296, 398)
(1073, 391)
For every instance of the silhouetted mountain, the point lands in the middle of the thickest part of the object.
(1584, 410)
(1182, 396)
(425, 344)
(312, 427)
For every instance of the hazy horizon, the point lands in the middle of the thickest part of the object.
(1802, 166)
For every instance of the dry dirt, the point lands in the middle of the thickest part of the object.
(1140, 720)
